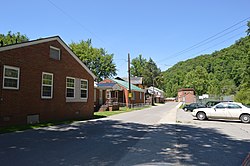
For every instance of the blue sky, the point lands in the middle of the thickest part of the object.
(159, 29)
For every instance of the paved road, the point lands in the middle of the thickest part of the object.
(146, 137)
(212, 142)
(101, 142)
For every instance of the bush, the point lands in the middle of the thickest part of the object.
(243, 96)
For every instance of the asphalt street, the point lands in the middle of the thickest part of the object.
(145, 137)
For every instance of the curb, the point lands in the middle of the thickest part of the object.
(246, 162)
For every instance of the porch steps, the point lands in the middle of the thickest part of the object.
(103, 108)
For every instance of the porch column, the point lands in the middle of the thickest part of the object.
(126, 96)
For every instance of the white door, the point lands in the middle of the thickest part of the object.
(220, 111)
(234, 110)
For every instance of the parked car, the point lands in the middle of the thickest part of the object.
(210, 104)
(225, 110)
(192, 106)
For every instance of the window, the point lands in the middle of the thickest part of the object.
(54, 53)
(94, 95)
(84, 89)
(221, 106)
(70, 87)
(133, 96)
(11, 77)
(140, 95)
(233, 106)
(47, 85)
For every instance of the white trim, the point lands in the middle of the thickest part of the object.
(71, 87)
(4, 48)
(52, 81)
(58, 49)
(18, 76)
(84, 89)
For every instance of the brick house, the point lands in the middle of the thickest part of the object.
(43, 80)
(119, 91)
(186, 95)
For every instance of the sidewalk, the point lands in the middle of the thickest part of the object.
(170, 117)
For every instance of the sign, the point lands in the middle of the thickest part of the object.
(130, 95)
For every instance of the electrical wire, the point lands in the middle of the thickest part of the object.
(207, 40)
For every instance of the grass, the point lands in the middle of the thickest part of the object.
(97, 115)
(122, 110)
(181, 106)
(31, 126)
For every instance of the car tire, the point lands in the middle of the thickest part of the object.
(201, 116)
(245, 118)
(185, 109)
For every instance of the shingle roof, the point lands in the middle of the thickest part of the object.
(134, 80)
(126, 85)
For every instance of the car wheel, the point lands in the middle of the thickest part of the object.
(201, 116)
(245, 118)
(185, 109)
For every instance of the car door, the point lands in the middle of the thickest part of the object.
(234, 110)
(219, 111)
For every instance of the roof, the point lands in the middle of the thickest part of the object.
(134, 80)
(125, 84)
(44, 40)
(186, 89)
(155, 89)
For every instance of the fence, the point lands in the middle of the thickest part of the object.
(214, 98)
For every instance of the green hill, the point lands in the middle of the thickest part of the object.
(224, 72)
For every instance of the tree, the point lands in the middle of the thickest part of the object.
(96, 59)
(150, 73)
(137, 66)
(12, 38)
(197, 79)
(148, 70)
(248, 30)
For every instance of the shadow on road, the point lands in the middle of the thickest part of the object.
(106, 142)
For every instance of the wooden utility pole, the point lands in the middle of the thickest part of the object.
(129, 81)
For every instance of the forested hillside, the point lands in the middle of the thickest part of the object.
(223, 72)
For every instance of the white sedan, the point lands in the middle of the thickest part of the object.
(225, 110)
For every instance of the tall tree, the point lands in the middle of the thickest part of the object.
(12, 38)
(150, 73)
(138, 65)
(248, 30)
(96, 59)
(197, 79)
(148, 70)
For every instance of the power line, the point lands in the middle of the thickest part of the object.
(219, 43)
(75, 20)
(208, 40)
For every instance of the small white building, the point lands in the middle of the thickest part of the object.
(158, 94)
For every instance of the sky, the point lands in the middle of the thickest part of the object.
(168, 31)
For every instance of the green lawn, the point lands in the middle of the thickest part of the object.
(122, 110)
(31, 126)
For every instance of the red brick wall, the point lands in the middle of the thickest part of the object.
(32, 61)
(186, 96)
(137, 98)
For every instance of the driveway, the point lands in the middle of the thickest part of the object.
(145, 137)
